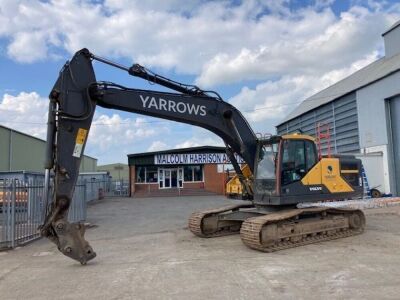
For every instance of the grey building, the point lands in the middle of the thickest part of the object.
(117, 171)
(20, 151)
(362, 112)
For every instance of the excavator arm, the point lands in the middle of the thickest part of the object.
(73, 100)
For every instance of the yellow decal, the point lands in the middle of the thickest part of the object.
(81, 136)
(80, 141)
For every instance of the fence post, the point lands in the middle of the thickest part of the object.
(13, 196)
(84, 208)
(30, 189)
(84, 190)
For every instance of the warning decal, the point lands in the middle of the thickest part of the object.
(80, 140)
(81, 136)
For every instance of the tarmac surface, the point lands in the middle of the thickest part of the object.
(145, 251)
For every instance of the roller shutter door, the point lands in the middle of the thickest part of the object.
(395, 124)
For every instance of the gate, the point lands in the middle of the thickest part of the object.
(117, 188)
(22, 209)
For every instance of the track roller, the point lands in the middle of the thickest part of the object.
(210, 223)
(297, 227)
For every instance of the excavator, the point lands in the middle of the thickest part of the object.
(286, 169)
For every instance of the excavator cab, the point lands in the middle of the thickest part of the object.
(289, 171)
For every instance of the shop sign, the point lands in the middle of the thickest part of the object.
(192, 159)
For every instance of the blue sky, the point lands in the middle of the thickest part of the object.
(262, 56)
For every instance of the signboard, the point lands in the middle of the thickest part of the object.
(193, 159)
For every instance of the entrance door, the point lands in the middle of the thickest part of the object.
(180, 177)
(170, 178)
(174, 178)
(167, 178)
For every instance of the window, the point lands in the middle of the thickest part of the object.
(151, 174)
(197, 173)
(311, 154)
(193, 173)
(161, 178)
(293, 161)
(140, 174)
(146, 174)
(188, 173)
(266, 163)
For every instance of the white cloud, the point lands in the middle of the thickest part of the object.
(28, 47)
(200, 137)
(110, 131)
(26, 112)
(222, 41)
(111, 138)
(301, 50)
(157, 146)
(269, 102)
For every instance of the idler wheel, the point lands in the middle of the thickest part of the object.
(355, 221)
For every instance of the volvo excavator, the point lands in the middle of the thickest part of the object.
(287, 170)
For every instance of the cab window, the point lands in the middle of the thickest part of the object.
(298, 158)
(311, 154)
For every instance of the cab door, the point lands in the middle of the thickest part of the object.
(299, 156)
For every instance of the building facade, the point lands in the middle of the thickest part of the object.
(116, 171)
(20, 151)
(196, 168)
(362, 112)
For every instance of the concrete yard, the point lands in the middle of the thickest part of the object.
(145, 251)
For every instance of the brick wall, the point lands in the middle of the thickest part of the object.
(132, 179)
(193, 185)
(214, 181)
(145, 187)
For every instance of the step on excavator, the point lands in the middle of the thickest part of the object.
(286, 169)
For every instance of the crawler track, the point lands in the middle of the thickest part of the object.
(196, 222)
(329, 224)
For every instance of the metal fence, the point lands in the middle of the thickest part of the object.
(22, 204)
(22, 209)
(117, 188)
(94, 189)
(100, 186)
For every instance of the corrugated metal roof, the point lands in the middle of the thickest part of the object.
(391, 28)
(367, 75)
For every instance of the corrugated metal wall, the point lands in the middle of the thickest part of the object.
(341, 117)
(19, 151)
